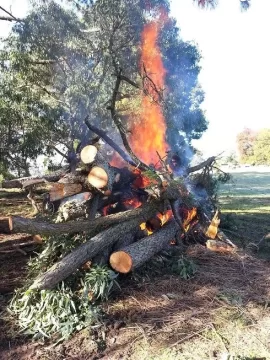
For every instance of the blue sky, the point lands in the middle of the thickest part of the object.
(235, 71)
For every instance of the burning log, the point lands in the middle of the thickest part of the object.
(133, 256)
(219, 246)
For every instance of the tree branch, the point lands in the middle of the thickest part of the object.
(200, 166)
(110, 142)
(119, 125)
(13, 18)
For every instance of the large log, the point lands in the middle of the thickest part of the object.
(133, 256)
(19, 224)
(18, 183)
(98, 177)
(90, 249)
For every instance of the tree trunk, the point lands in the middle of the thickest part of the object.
(18, 183)
(133, 256)
(19, 224)
(90, 249)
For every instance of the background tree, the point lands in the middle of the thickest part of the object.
(261, 147)
(245, 142)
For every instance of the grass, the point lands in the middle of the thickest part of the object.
(245, 204)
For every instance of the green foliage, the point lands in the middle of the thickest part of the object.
(48, 312)
(261, 148)
(184, 267)
(57, 67)
(73, 305)
(54, 249)
(99, 282)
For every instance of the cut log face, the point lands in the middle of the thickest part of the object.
(59, 191)
(88, 154)
(121, 261)
(98, 177)
(134, 255)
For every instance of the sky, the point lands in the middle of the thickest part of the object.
(235, 63)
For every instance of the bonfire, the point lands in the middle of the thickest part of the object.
(132, 205)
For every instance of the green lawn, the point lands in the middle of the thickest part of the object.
(245, 204)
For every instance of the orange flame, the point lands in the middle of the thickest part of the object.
(132, 203)
(190, 216)
(163, 218)
(148, 132)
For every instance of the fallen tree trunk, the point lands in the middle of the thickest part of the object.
(19, 224)
(87, 251)
(133, 256)
(18, 183)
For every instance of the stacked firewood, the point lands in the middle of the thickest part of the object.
(129, 214)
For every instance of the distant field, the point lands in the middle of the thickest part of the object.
(245, 200)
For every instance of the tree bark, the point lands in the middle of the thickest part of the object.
(5, 225)
(18, 183)
(200, 166)
(24, 225)
(133, 256)
(60, 191)
(90, 249)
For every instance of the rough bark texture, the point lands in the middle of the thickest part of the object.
(133, 256)
(31, 226)
(200, 166)
(18, 183)
(71, 210)
(89, 250)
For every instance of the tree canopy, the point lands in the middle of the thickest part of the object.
(60, 64)
(254, 147)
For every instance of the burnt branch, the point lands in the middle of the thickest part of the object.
(120, 127)
(110, 142)
(11, 18)
(202, 165)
